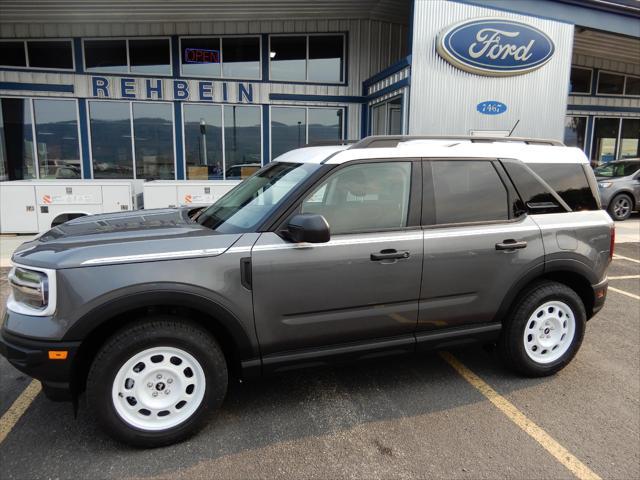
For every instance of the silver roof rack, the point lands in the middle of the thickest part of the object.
(391, 141)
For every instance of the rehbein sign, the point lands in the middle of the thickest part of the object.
(495, 47)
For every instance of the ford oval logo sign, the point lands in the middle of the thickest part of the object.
(491, 107)
(495, 46)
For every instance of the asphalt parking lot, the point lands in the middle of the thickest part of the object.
(397, 418)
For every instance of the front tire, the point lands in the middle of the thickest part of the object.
(620, 207)
(156, 383)
(545, 330)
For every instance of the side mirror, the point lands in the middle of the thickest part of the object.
(308, 227)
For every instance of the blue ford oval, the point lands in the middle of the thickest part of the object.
(492, 46)
(491, 107)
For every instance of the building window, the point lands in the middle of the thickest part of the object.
(56, 128)
(111, 152)
(215, 57)
(46, 54)
(295, 127)
(615, 138)
(610, 83)
(575, 129)
(307, 58)
(144, 56)
(580, 81)
(222, 142)
(632, 86)
(153, 140)
(16, 139)
(630, 138)
(386, 117)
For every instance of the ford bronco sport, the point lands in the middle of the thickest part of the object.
(327, 254)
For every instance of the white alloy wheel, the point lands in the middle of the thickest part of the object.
(158, 388)
(549, 332)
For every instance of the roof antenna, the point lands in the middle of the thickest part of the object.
(514, 127)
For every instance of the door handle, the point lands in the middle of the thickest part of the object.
(511, 244)
(389, 254)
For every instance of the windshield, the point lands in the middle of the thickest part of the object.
(617, 169)
(249, 204)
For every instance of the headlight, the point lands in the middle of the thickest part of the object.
(32, 291)
(604, 184)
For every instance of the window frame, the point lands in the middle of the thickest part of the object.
(133, 140)
(343, 79)
(221, 37)
(344, 108)
(588, 92)
(44, 69)
(624, 84)
(128, 72)
(222, 125)
(428, 217)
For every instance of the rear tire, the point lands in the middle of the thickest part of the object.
(621, 207)
(156, 382)
(545, 330)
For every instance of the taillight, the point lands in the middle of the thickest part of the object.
(612, 242)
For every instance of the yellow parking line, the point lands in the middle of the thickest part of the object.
(561, 454)
(624, 277)
(628, 294)
(620, 257)
(17, 409)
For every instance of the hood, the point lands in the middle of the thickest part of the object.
(129, 237)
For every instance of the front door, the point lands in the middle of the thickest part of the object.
(361, 285)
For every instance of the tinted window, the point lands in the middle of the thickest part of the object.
(570, 182)
(633, 86)
(610, 83)
(617, 169)
(12, 54)
(57, 138)
(374, 196)
(106, 55)
(241, 57)
(50, 54)
(200, 56)
(150, 56)
(110, 124)
(468, 191)
(534, 194)
(326, 54)
(288, 58)
(580, 80)
(242, 141)
(153, 140)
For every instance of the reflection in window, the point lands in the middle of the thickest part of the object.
(363, 197)
(200, 56)
(50, 54)
(150, 56)
(153, 140)
(570, 182)
(325, 124)
(605, 138)
(203, 141)
(630, 138)
(57, 138)
(458, 184)
(326, 53)
(106, 56)
(580, 81)
(16, 135)
(241, 57)
(610, 83)
(288, 58)
(574, 131)
(242, 139)
(110, 125)
(12, 54)
(288, 129)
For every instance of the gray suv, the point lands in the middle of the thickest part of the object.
(328, 254)
(619, 184)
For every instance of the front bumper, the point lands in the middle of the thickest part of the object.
(32, 357)
(599, 295)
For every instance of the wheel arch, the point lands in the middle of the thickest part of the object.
(628, 193)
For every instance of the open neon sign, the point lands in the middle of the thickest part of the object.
(200, 55)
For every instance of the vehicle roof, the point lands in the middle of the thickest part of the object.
(440, 148)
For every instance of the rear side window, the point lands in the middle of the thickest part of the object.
(570, 182)
(468, 191)
(534, 194)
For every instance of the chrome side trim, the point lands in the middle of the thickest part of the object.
(23, 309)
(146, 257)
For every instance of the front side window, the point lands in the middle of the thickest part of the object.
(110, 125)
(251, 202)
(153, 140)
(468, 191)
(16, 135)
(56, 124)
(365, 197)
(617, 169)
(307, 58)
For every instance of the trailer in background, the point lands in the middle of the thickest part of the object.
(32, 206)
(181, 193)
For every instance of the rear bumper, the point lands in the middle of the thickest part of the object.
(599, 295)
(32, 358)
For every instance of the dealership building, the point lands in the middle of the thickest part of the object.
(214, 89)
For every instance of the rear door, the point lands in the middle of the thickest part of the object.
(360, 286)
(478, 243)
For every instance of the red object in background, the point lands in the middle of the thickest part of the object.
(200, 55)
